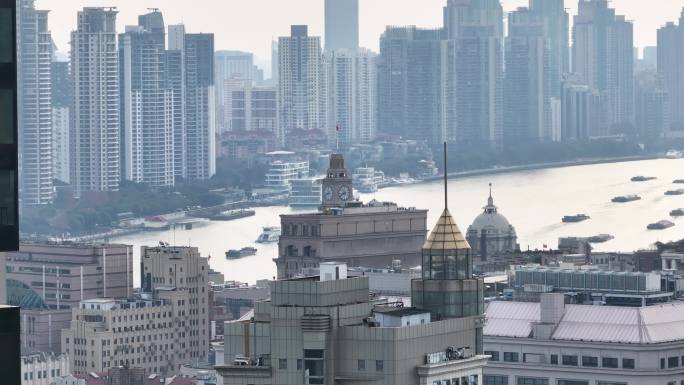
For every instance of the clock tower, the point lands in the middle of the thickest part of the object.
(337, 186)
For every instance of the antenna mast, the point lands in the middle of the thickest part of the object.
(446, 176)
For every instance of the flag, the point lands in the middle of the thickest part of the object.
(337, 127)
(209, 258)
(546, 246)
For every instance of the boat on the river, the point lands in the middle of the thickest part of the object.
(601, 238)
(678, 181)
(641, 178)
(677, 213)
(575, 218)
(243, 252)
(674, 154)
(269, 234)
(626, 198)
(675, 192)
(660, 225)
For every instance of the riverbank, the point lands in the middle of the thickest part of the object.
(541, 166)
(534, 203)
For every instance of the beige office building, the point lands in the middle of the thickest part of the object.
(180, 274)
(106, 333)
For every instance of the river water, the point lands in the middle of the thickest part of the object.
(534, 201)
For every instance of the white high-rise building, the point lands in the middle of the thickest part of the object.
(34, 55)
(603, 58)
(232, 66)
(350, 88)
(670, 69)
(299, 62)
(60, 143)
(95, 163)
(146, 104)
(190, 62)
(61, 120)
(527, 84)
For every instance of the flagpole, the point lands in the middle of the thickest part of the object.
(337, 136)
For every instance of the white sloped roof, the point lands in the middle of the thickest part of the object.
(511, 319)
(612, 324)
(599, 324)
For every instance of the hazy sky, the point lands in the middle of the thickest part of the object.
(250, 25)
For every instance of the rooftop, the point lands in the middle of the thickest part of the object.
(612, 324)
(357, 208)
(446, 235)
(399, 311)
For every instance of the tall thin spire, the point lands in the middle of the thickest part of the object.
(446, 177)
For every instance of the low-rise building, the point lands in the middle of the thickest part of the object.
(591, 285)
(323, 330)
(43, 368)
(106, 333)
(372, 235)
(554, 343)
(48, 279)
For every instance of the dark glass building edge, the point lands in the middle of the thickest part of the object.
(10, 369)
(9, 187)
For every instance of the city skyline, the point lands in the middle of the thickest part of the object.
(233, 33)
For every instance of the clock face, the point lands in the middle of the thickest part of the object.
(328, 193)
(344, 193)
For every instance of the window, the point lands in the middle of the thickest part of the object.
(609, 362)
(494, 355)
(554, 359)
(495, 380)
(590, 361)
(379, 365)
(673, 362)
(361, 365)
(532, 381)
(628, 363)
(300, 364)
(662, 363)
(572, 382)
(511, 357)
(533, 358)
(282, 364)
(569, 360)
(610, 383)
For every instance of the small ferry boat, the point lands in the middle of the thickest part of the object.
(243, 252)
(642, 178)
(601, 238)
(575, 218)
(675, 192)
(626, 198)
(269, 235)
(674, 154)
(678, 181)
(677, 213)
(660, 225)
